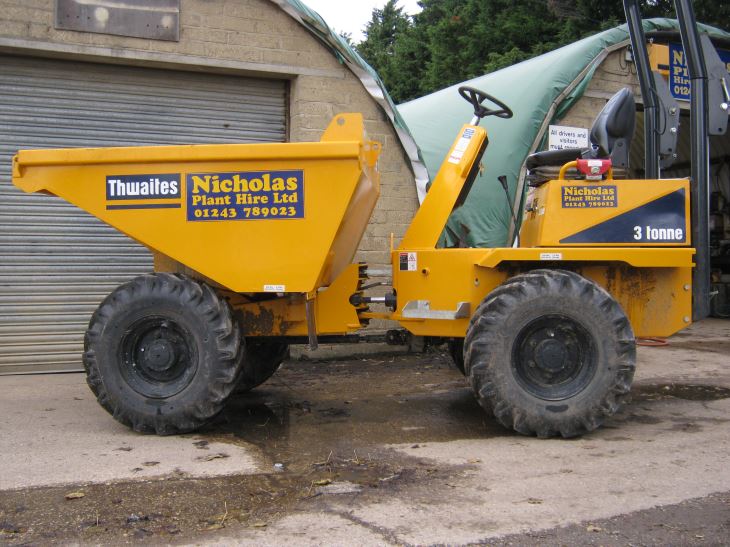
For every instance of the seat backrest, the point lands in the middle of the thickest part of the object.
(613, 128)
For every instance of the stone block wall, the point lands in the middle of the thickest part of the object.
(248, 38)
(613, 74)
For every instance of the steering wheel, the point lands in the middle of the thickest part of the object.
(476, 97)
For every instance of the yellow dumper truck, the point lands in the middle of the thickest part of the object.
(254, 243)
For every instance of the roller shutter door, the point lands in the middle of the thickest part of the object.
(57, 262)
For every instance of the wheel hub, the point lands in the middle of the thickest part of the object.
(553, 357)
(159, 355)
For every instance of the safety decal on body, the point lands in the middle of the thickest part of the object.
(408, 262)
(461, 145)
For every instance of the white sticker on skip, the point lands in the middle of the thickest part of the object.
(274, 288)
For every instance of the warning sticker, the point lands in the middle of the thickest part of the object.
(589, 196)
(408, 262)
(461, 145)
(455, 157)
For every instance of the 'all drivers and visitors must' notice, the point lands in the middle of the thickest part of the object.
(561, 137)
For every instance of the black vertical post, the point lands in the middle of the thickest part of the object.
(648, 89)
(700, 158)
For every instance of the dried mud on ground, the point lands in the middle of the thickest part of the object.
(318, 427)
(704, 521)
(321, 430)
(182, 509)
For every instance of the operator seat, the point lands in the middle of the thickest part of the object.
(610, 137)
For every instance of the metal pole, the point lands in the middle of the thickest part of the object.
(648, 90)
(700, 159)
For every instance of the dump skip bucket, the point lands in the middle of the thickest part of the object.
(253, 217)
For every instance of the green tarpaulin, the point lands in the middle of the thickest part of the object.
(535, 90)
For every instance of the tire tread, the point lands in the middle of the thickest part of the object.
(485, 331)
(213, 311)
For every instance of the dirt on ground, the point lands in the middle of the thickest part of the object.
(316, 423)
(325, 428)
(703, 521)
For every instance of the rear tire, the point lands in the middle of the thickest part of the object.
(550, 352)
(456, 350)
(261, 359)
(161, 354)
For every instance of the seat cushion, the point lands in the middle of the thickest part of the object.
(554, 157)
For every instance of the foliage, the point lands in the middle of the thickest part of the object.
(347, 37)
(450, 41)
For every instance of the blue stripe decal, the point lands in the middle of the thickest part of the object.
(660, 221)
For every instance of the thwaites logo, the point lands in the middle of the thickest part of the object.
(245, 195)
(148, 191)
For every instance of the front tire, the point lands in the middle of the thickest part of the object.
(550, 352)
(161, 354)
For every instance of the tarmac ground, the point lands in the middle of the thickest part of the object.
(376, 450)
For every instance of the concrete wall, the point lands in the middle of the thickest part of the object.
(613, 73)
(249, 38)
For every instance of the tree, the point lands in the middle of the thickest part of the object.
(347, 37)
(713, 12)
(386, 26)
(450, 41)
(405, 76)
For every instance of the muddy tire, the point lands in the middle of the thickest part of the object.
(161, 354)
(261, 359)
(456, 350)
(550, 353)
